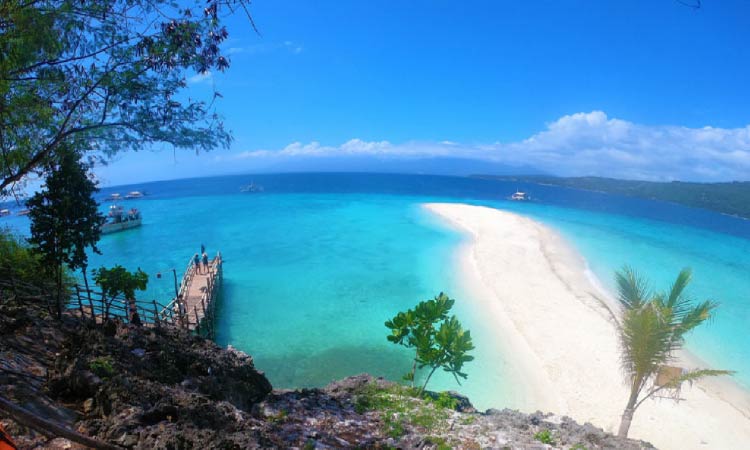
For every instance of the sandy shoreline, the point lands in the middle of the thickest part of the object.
(545, 306)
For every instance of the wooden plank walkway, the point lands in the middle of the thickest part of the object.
(196, 301)
(193, 309)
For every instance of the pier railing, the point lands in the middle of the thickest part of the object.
(175, 310)
(193, 309)
(195, 305)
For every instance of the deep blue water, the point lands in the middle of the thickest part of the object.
(317, 263)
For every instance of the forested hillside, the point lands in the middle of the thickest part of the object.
(728, 198)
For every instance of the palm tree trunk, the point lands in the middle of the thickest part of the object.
(627, 415)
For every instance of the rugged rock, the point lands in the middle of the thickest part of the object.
(137, 387)
(158, 388)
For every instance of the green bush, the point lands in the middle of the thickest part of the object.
(400, 407)
(443, 400)
(102, 366)
(545, 437)
(439, 341)
(17, 258)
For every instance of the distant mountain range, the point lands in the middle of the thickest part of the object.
(728, 198)
(394, 164)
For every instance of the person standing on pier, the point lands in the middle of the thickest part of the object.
(197, 263)
(205, 262)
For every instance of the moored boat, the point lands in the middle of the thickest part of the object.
(134, 194)
(520, 196)
(4, 212)
(119, 220)
(23, 212)
(252, 187)
(114, 197)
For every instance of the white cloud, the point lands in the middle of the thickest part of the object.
(293, 47)
(576, 145)
(267, 47)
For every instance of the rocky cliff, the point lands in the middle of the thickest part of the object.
(158, 388)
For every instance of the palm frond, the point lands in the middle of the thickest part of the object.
(677, 301)
(632, 289)
(696, 374)
(679, 285)
(645, 337)
(652, 329)
(694, 317)
(689, 376)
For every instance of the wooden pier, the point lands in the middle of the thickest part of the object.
(195, 304)
(193, 309)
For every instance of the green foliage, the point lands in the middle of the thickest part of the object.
(65, 220)
(106, 76)
(394, 427)
(728, 198)
(279, 417)
(652, 329)
(400, 406)
(372, 398)
(17, 258)
(443, 400)
(439, 442)
(578, 447)
(119, 281)
(468, 420)
(439, 341)
(545, 437)
(102, 366)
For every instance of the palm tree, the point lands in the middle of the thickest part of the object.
(653, 328)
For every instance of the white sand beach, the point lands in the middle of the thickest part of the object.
(535, 288)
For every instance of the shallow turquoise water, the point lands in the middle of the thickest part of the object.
(313, 270)
(309, 279)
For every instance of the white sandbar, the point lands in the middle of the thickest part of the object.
(548, 309)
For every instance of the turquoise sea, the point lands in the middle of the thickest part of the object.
(316, 263)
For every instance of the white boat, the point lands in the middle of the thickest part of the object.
(134, 194)
(520, 196)
(252, 187)
(114, 198)
(23, 212)
(119, 220)
(4, 212)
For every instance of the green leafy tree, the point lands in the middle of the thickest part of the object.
(438, 341)
(652, 329)
(19, 261)
(119, 281)
(105, 76)
(65, 220)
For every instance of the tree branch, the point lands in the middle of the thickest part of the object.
(49, 428)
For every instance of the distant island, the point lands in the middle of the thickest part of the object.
(731, 198)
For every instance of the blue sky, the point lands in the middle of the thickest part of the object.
(637, 89)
